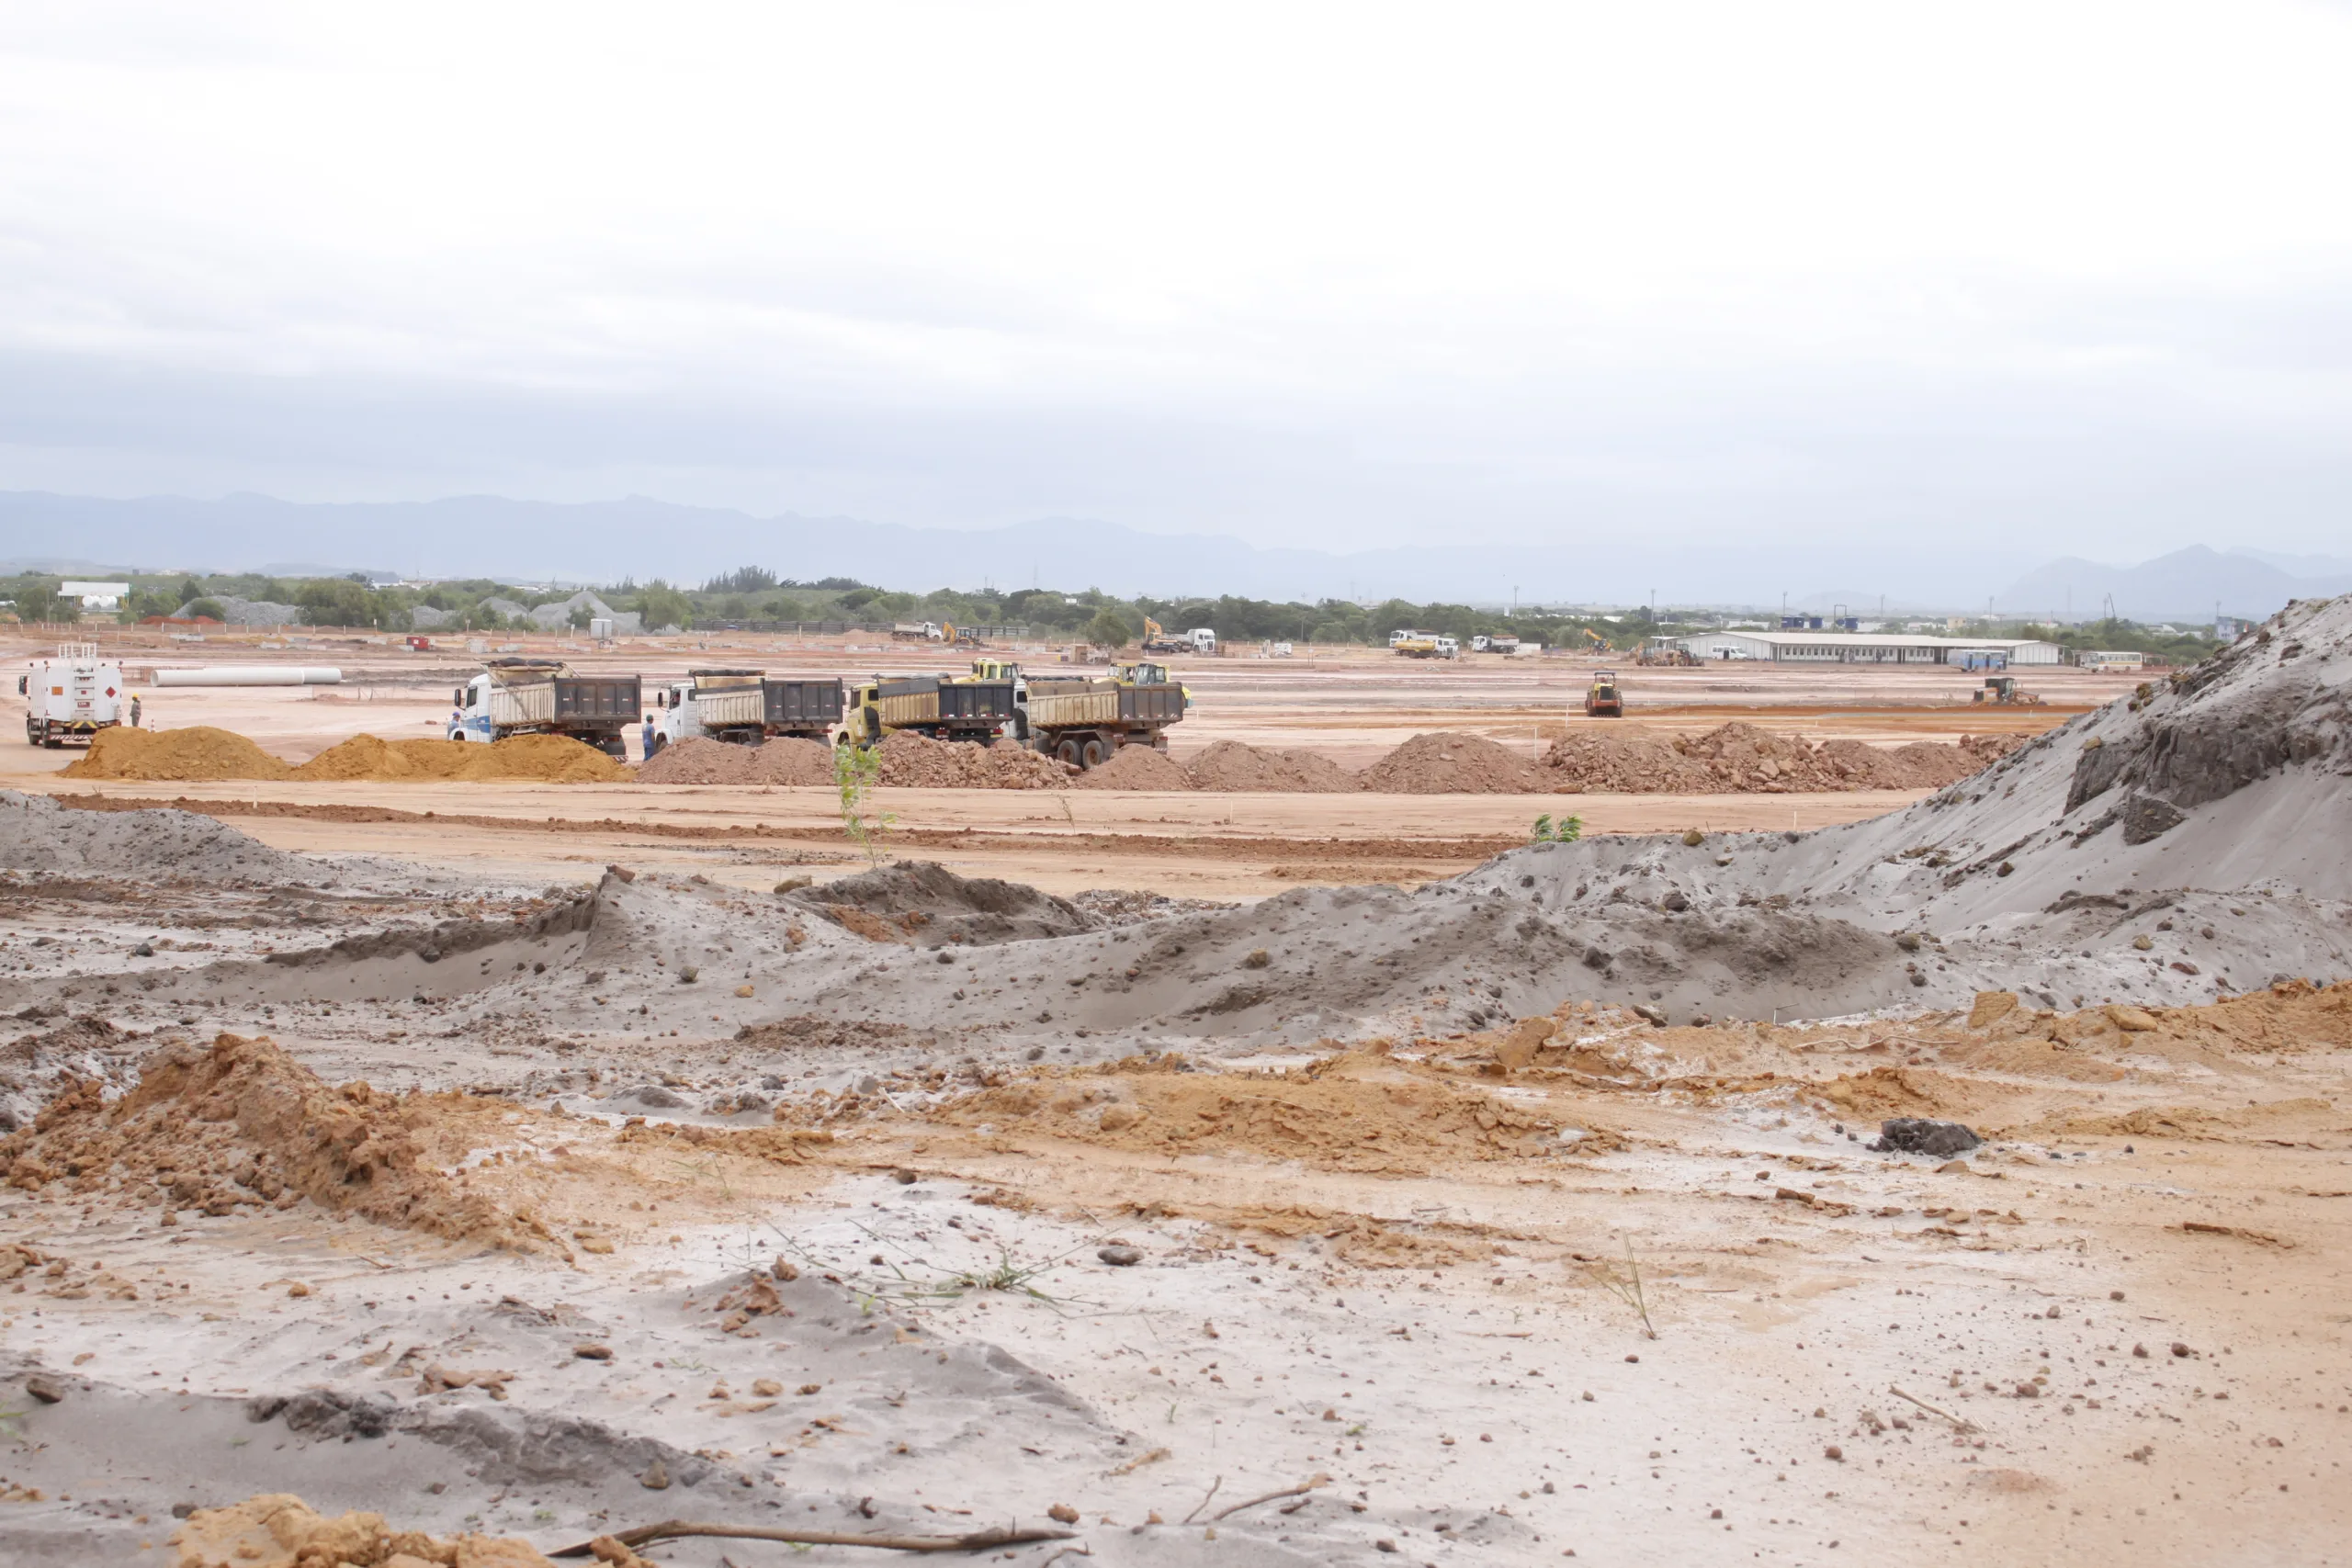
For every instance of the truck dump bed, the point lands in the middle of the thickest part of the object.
(802, 704)
(929, 700)
(1069, 705)
(597, 699)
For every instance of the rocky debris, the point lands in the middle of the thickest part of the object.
(924, 903)
(33, 1066)
(279, 1530)
(787, 760)
(915, 762)
(1918, 1135)
(1127, 906)
(240, 1124)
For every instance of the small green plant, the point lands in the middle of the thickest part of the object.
(856, 771)
(1567, 830)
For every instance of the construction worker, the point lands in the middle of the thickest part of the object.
(134, 712)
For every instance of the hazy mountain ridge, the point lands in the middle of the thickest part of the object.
(604, 542)
(2188, 585)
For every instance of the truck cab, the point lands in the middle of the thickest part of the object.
(719, 704)
(1203, 640)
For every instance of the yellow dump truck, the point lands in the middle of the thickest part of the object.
(1086, 722)
(944, 707)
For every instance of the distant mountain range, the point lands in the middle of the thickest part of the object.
(2187, 585)
(604, 542)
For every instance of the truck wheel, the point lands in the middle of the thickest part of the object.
(1093, 755)
(1068, 752)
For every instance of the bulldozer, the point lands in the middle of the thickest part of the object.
(2002, 690)
(1602, 699)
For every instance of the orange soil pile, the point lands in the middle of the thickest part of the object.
(1231, 766)
(702, 760)
(279, 1530)
(1354, 1113)
(915, 762)
(1136, 767)
(523, 758)
(1741, 758)
(1448, 763)
(202, 752)
(199, 752)
(240, 1124)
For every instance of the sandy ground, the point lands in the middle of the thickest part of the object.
(678, 1195)
(1353, 708)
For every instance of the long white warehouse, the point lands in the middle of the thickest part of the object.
(1865, 647)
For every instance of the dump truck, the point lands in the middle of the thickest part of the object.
(916, 631)
(1602, 699)
(742, 707)
(944, 707)
(1085, 723)
(1423, 645)
(543, 696)
(72, 696)
(2003, 690)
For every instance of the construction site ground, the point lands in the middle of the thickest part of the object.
(539, 1162)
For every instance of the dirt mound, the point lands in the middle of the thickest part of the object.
(1235, 768)
(524, 759)
(915, 762)
(279, 1530)
(188, 755)
(1628, 760)
(240, 1124)
(788, 761)
(37, 833)
(1354, 1113)
(1741, 758)
(1136, 767)
(202, 752)
(924, 903)
(1446, 762)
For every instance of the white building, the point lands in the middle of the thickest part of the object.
(1866, 647)
(97, 595)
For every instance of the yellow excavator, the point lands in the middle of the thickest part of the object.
(1599, 643)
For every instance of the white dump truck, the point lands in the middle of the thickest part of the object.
(543, 696)
(744, 707)
(72, 696)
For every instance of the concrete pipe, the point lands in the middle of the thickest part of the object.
(250, 675)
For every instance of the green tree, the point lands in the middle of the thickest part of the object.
(1109, 629)
(663, 605)
(38, 599)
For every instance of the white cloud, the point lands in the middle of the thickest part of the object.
(1329, 273)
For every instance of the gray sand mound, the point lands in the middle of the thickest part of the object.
(932, 907)
(38, 834)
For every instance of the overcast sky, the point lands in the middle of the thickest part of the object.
(2030, 278)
